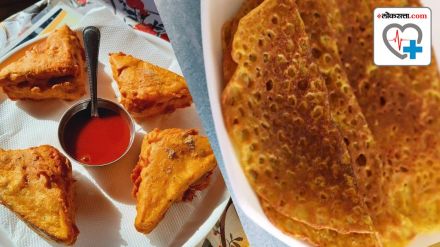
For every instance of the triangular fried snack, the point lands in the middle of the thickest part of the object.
(173, 164)
(148, 90)
(37, 185)
(276, 110)
(53, 68)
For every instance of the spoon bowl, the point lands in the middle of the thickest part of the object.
(80, 107)
(92, 36)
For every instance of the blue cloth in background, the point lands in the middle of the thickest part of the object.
(182, 22)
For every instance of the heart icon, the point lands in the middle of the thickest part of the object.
(402, 29)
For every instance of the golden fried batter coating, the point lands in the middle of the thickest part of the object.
(37, 185)
(53, 68)
(173, 164)
(146, 89)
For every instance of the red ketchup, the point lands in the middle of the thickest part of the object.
(97, 140)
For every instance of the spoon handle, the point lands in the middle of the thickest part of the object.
(91, 36)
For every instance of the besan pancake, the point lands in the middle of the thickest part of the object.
(228, 32)
(277, 114)
(317, 237)
(401, 107)
(344, 108)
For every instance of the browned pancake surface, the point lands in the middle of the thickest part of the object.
(276, 110)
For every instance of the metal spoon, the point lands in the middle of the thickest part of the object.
(91, 36)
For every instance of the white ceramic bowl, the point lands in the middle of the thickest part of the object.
(213, 14)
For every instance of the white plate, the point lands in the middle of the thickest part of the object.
(213, 14)
(106, 210)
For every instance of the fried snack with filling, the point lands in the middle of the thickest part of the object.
(148, 90)
(172, 166)
(276, 111)
(37, 185)
(51, 69)
(401, 107)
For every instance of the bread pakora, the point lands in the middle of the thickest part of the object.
(173, 164)
(53, 68)
(148, 90)
(276, 110)
(37, 185)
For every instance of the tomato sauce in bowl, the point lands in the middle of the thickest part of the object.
(97, 140)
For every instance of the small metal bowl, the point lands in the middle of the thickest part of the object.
(85, 106)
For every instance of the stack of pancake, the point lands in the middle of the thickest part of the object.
(340, 152)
